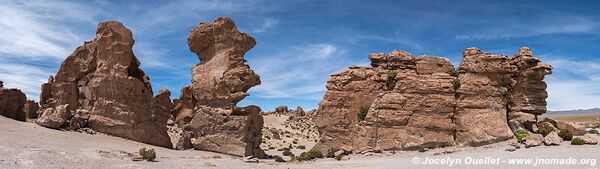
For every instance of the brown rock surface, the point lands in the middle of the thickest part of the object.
(533, 140)
(576, 129)
(207, 110)
(528, 89)
(103, 86)
(552, 139)
(417, 102)
(481, 112)
(11, 103)
(30, 109)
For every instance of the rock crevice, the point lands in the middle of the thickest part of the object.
(429, 103)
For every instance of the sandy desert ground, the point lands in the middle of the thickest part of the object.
(27, 145)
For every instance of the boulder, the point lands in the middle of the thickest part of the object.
(552, 139)
(11, 103)
(207, 109)
(533, 140)
(589, 138)
(574, 128)
(55, 117)
(102, 84)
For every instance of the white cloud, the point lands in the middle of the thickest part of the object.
(298, 72)
(25, 77)
(39, 29)
(574, 85)
(267, 24)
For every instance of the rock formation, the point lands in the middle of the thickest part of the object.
(207, 109)
(11, 103)
(403, 102)
(481, 104)
(31, 109)
(527, 95)
(101, 86)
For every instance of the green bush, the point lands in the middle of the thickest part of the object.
(362, 114)
(545, 128)
(521, 134)
(147, 154)
(279, 159)
(312, 154)
(565, 135)
(453, 72)
(339, 157)
(287, 153)
(331, 153)
(456, 84)
(390, 82)
(577, 141)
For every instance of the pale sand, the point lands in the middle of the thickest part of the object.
(27, 145)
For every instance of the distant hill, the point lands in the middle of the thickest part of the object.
(573, 112)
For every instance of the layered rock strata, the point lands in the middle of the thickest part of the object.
(403, 102)
(207, 109)
(11, 103)
(101, 86)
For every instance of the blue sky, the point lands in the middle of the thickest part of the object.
(301, 42)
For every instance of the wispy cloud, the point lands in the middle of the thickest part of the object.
(267, 24)
(299, 72)
(574, 85)
(39, 29)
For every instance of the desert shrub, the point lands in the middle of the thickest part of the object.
(545, 128)
(565, 135)
(312, 154)
(390, 82)
(331, 153)
(267, 137)
(284, 149)
(271, 148)
(301, 147)
(147, 154)
(279, 159)
(362, 114)
(521, 134)
(577, 141)
(456, 84)
(294, 142)
(287, 153)
(453, 72)
(339, 157)
(276, 136)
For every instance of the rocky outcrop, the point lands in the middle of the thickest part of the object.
(403, 102)
(30, 108)
(481, 105)
(207, 109)
(101, 86)
(527, 95)
(11, 103)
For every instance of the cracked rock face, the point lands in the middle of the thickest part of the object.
(11, 103)
(207, 109)
(527, 97)
(101, 86)
(422, 102)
